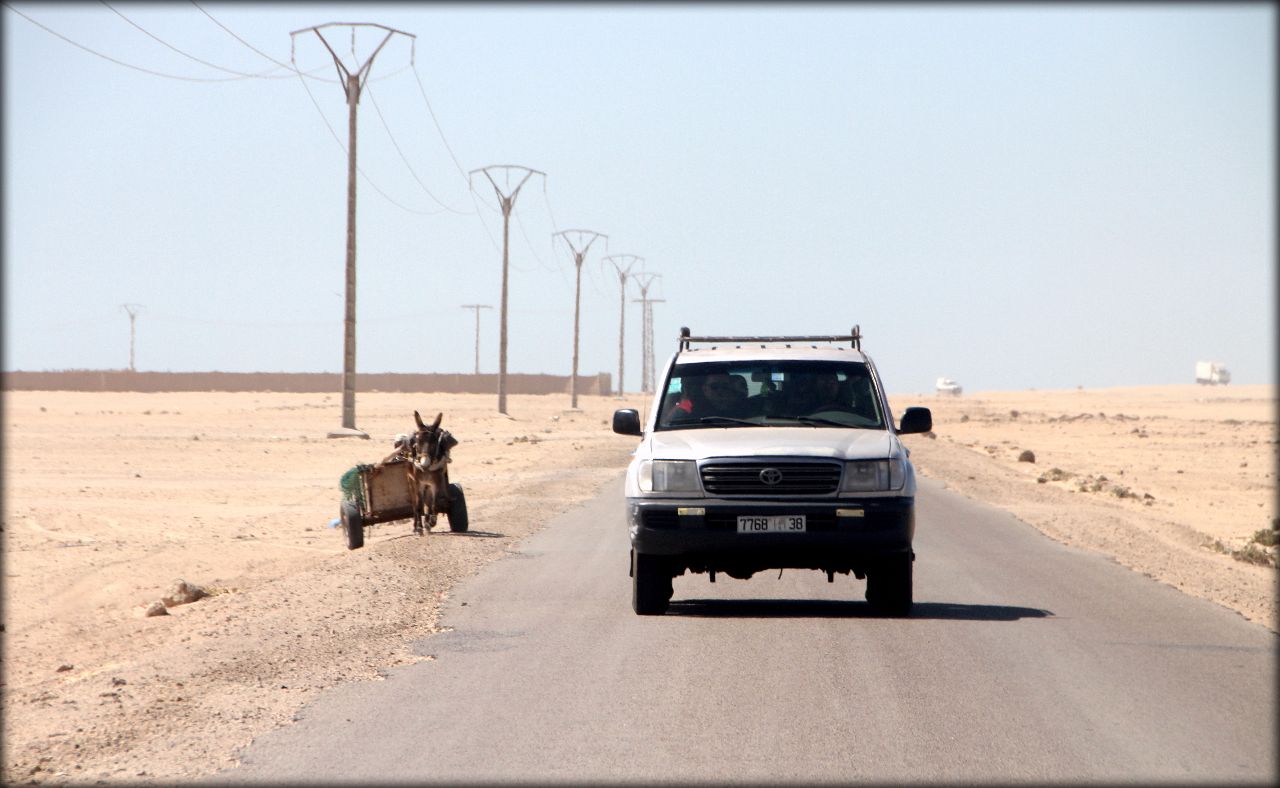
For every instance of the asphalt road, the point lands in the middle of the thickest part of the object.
(1025, 661)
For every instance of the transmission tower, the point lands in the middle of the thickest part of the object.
(133, 310)
(644, 279)
(352, 84)
(506, 201)
(477, 308)
(578, 256)
(617, 261)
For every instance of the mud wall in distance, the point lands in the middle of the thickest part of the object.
(300, 382)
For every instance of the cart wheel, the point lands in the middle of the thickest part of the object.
(353, 523)
(457, 509)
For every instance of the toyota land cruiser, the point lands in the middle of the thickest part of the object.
(771, 453)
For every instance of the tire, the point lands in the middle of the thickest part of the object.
(353, 523)
(457, 509)
(889, 586)
(650, 585)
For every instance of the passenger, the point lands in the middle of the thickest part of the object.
(813, 392)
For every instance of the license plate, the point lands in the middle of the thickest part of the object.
(771, 524)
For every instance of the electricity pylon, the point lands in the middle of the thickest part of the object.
(644, 279)
(617, 261)
(578, 256)
(133, 310)
(352, 84)
(648, 383)
(506, 201)
(477, 308)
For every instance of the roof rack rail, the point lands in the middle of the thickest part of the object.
(854, 338)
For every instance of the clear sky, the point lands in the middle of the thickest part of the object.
(1015, 196)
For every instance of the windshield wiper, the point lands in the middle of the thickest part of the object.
(810, 420)
(722, 419)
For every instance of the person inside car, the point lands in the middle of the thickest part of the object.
(815, 392)
(716, 394)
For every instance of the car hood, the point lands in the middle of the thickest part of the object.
(823, 442)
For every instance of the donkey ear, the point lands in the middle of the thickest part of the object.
(418, 419)
(436, 423)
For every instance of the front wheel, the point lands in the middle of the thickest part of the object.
(457, 509)
(353, 523)
(889, 586)
(650, 585)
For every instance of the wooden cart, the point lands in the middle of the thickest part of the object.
(380, 494)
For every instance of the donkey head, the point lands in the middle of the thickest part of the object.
(430, 443)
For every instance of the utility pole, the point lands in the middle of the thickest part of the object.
(133, 310)
(352, 84)
(617, 261)
(506, 201)
(477, 308)
(578, 256)
(643, 280)
(648, 384)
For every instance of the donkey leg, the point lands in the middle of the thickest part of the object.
(417, 515)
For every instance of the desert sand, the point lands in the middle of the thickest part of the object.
(110, 498)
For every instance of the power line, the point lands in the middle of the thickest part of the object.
(189, 56)
(407, 165)
(343, 147)
(435, 121)
(119, 62)
(255, 49)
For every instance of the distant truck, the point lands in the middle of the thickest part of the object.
(1210, 373)
(949, 386)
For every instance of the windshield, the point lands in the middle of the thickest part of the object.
(770, 394)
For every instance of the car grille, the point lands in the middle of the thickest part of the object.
(797, 478)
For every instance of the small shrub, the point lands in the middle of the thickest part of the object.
(1267, 537)
(1252, 554)
(1057, 475)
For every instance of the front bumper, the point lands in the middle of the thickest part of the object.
(844, 535)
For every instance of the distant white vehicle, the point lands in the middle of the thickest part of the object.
(1211, 373)
(949, 386)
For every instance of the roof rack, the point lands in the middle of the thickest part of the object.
(854, 338)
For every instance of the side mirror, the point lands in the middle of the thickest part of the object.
(913, 420)
(627, 422)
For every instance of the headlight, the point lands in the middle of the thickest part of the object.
(669, 476)
(874, 475)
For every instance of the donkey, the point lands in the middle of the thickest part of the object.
(428, 453)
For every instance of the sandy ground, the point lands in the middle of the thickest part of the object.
(109, 498)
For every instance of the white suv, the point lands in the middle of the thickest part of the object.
(771, 453)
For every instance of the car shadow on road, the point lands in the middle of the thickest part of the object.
(827, 608)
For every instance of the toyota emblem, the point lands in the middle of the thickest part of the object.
(771, 476)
